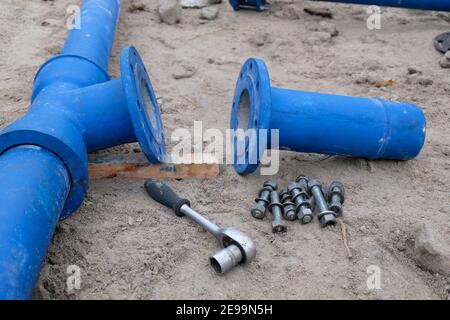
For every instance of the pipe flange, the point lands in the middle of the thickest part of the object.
(142, 105)
(251, 110)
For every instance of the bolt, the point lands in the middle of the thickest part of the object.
(336, 197)
(258, 209)
(276, 208)
(326, 216)
(288, 206)
(302, 200)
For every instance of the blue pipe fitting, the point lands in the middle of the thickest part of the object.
(74, 122)
(438, 5)
(259, 5)
(75, 109)
(319, 123)
(34, 186)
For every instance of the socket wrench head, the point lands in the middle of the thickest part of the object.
(226, 259)
(238, 249)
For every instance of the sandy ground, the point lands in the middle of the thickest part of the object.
(129, 247)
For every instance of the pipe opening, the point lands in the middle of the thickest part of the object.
(216, 265)
(243, 112)
(149, 106)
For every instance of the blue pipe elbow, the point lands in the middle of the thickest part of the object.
(438, 5)
(319, 123)
(259, 5)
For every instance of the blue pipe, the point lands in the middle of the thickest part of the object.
(319, 123)
(34, 185)
(259, 5)
(438, 5)
(75, 109)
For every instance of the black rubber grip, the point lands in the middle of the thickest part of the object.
(162, 193)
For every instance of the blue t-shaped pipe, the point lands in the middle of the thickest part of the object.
(318, 123)
(75, 109)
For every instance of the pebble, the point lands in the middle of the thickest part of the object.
(183, 72)
(259, 39)
(431, 252)
(136, 6)
(328, 27)
(169, 11)
(445, 61)
(209, 13)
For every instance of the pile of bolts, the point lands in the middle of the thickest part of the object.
(299, 201)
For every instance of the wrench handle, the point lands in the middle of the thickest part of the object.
(162, 193)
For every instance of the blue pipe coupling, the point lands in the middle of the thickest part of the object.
(438, 5)
(318, 123)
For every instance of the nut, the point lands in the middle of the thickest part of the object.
(328, 218)
(258, 210)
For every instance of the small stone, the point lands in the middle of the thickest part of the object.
(431, 252)
(136, 6)
(209, 13)
(169, 11)
(194, 3)
(445, 60)
(211, 60)
(425, 81)
(412, 70)
(259, 39)
(183, 72)
(328, 27)
(130, 221)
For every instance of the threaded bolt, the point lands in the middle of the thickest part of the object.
(276, 208)
(288, 206)
(258, 209)
(302, 200)
(336, 197)
(326, 216)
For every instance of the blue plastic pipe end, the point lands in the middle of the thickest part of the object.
(319, 123)
(35, 184)
(259, 5)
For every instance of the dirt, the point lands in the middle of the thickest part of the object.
(129, 247)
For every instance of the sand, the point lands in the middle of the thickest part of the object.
(129, 247)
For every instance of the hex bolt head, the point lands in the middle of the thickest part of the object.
(305, 215)
(288, 206)
(278, 227)
(327, 219)
(258, 210)
(271, 183)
